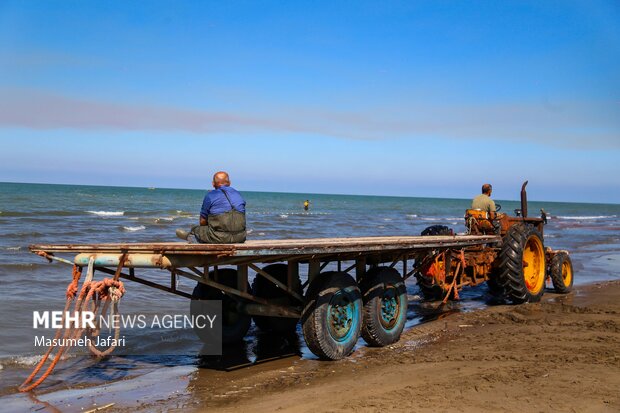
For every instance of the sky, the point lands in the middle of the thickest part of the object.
(411, 98)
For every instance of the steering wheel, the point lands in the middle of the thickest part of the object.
(498, 207)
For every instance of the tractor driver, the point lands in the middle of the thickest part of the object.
(484, 202)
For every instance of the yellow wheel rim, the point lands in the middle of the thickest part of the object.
(534, 265)
(567, 273)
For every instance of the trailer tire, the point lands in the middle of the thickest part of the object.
(522, 264)
(385, 306)
(561, 272)
(264, 288)
(332, 316)
(235, 325)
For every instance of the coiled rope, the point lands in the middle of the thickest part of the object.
(92, 293)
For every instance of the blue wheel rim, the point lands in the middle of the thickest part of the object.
(391, 308)
(343, 316)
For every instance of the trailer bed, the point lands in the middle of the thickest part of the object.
(281, 247)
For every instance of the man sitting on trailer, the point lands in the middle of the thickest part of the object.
(222, 216)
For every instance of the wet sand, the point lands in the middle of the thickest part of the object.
(562, 354)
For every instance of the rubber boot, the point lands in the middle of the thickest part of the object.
(181, 233)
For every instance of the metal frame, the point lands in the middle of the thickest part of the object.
(184, 260)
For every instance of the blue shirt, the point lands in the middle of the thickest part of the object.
(215, 202)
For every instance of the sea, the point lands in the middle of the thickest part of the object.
(71, 214)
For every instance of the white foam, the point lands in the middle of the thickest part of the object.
(107, 213)
(583, 218)
(412, 216)
(26, 360)
(164, 219)
(441, 219)
(284, 216)
(13, 248)
(132, 229)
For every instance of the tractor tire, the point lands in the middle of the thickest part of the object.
(561, 273)
(437, 230)
(264, 288)
(235, 325)
(332, 317)
(385, 306)
(429, 290)
(494, 287)
(522, 264)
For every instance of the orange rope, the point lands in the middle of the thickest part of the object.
(107, 289)
(73, 286)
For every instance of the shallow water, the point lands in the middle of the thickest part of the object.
(58, 214)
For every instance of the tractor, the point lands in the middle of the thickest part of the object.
(515, 268)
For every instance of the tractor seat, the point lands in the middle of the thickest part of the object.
(477, 222)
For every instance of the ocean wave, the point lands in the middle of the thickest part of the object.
(133, 229)
(158, 220)
(586, 218)
(28, 361)
(107, 213)
(412, 215)
(284, 216)
(43, 213)
(440, 219)
(13, 248)
(271, 213)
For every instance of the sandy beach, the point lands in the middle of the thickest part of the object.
(562, 354)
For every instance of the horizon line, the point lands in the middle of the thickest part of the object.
(302, 193)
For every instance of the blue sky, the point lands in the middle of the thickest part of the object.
(398, 98)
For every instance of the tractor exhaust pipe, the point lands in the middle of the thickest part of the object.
(524, 200)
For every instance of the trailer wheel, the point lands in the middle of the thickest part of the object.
(235, 324)
(385, 306)
(561, 272)
(264, 288)
(332, 317)
(522, 264)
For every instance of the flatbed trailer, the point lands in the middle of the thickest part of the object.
(363, 294)
(353, 286)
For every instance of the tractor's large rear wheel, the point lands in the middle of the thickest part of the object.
(561, 272)
(522, 264)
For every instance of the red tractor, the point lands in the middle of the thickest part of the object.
(515, 268)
